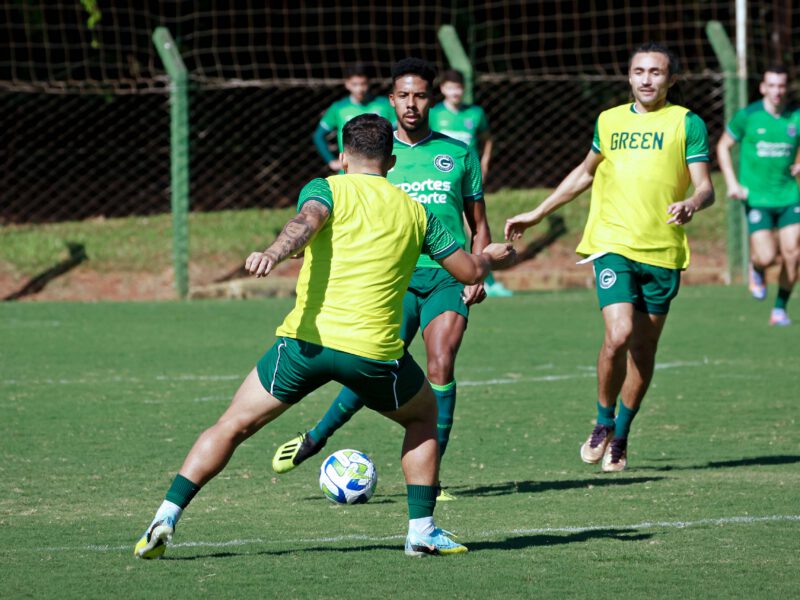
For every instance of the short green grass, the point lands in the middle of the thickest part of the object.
(100, 402)
(144, 244)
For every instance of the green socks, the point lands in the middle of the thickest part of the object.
(783, 298)
(182, 491)
(605, 415)
(344, 406)
(624, 420)
(421, 500)
(446, 404)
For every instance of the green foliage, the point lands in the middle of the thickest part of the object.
(95, 16)
(100, 402)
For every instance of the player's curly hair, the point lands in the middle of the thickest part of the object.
(369, 136)
(675, 94)
(414, 66)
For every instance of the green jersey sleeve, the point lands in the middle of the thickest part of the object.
(438, 243)
(472, 183)
(596, 139)
(736, 127)
(317, 189)
(330, 120)
(696, 139)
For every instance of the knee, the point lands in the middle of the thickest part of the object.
(618, 337)
(763, 259)
(440, 367)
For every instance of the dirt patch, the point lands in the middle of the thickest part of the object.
(553, 269)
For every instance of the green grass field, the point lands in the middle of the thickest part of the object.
(100, 402)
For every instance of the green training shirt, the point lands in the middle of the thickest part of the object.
(768, 149)
(442, 174)
(341, 111)
(466, 125)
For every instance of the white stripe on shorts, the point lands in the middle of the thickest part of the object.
(277, 361)
(394, 386)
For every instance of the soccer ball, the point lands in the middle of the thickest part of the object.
(348, 477)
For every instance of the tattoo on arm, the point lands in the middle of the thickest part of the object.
(299, 231)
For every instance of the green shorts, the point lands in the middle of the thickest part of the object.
(430, 293)
(292, 369)
(771, 217)
(650, 289)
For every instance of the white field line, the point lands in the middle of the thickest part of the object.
(583, 371)
(744, 520)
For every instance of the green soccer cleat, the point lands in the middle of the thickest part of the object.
(295, 451)
(435, 544)
(153, 543)
(445, 496)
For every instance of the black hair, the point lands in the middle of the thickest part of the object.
(675, 94)
(778, 69)
(355, 70)
(369, 136)
(414, 66)
(451, 75)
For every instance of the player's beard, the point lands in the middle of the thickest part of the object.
(420, 125)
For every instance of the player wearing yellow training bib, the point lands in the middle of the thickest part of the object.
(643, 158)
(443, 175)
(362, 237)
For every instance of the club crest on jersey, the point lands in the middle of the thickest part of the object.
(444, 162)
(469, 123)
(607, 278)
(791, 131)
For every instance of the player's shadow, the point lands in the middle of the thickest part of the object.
(77, 255)
(551, 539)
(755, 461)
(510, 543)
(556, 228)
(536, 487)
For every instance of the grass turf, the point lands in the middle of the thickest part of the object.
(100, 402)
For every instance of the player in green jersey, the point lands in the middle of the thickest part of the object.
(362, 237)
(444, 175)
(358, 102)
(769, 133)
(642, 160)
(467, 123)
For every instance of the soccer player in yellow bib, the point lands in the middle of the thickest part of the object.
(643, 157)
(362, 237)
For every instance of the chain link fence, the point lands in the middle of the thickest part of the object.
(84, 110)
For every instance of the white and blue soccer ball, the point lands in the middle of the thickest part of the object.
(348, 477)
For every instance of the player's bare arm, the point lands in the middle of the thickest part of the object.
(578, 181)
(735, 189)
(471, 269)
(703, 197)
(475, 214)
(486, 155)
(296, 235)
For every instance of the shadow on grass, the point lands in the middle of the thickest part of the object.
(756, 461)
(535, 487)
(510, 543)
(77, 255)
(556, 228)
